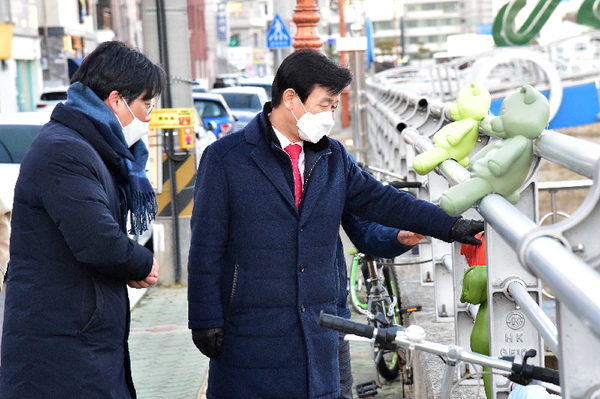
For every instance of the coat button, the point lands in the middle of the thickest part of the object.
(302, 268)
(302, 308)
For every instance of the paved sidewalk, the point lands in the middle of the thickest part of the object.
(164, 361)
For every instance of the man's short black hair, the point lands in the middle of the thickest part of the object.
(114, 65)
(305, 69)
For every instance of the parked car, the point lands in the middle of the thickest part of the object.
(50, 98)
(265, 82)
(215, 113)
(229, 79)
(204, 137)
(17, 131)
(198, 87)
(244, 102)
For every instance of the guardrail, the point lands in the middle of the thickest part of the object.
(520, 253)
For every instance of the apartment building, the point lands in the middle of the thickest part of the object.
(427, 24)
(414, 28)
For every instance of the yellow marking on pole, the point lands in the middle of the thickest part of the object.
(185, 176)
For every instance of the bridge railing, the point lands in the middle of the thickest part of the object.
(520, 254)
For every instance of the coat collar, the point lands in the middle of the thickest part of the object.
(260, 133)
(271, 137)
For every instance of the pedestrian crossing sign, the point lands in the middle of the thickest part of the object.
(278, 36)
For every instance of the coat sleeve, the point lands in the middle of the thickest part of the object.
(4, 238)
(209, 234)
(370, 199)
(75, 199)
(372, 238)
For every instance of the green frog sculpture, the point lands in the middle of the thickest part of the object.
(502, 166)
(456, 140)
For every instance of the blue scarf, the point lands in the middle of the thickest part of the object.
(139, 194)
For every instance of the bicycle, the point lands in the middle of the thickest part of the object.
(413, 337)
(374, 293)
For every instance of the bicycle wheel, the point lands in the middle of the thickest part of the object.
(389, 363)
(359, 287)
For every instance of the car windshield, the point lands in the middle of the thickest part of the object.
(15, 141)
(242, 101)
(210, 109)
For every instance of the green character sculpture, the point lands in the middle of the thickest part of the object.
(457, 139)
(475, 291)
(502, 166)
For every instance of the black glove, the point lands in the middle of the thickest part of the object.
(209, 341)
(464, 231)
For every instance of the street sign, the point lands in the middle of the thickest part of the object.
(172, 118)
(278, 36)
(222, 22)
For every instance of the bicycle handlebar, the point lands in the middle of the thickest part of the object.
(399, 183)
(367, 168)
(400, 337)
(405, 184)
(383, 336)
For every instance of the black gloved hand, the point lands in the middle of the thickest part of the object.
(464, 231)
(209, 341)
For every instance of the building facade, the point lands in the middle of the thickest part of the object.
(42, 42)
(20, 59)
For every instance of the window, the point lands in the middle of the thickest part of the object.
(383, 25)
(450, 6)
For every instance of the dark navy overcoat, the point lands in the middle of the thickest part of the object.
(263, 270)
(66, 319)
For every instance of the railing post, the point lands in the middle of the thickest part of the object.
(511, 331)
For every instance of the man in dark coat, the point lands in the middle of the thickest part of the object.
(262, 260)
(66, 319)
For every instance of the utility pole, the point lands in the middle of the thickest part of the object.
(166, 41)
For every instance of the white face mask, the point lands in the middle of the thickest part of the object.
(313, 127)
(135, 130)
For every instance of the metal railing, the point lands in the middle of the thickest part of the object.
(520, 253)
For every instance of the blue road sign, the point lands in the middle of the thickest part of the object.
(278, 36)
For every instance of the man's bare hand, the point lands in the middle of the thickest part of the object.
(408, 238)
(148, 281)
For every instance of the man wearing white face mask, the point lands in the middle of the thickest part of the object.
(262, 264)
(66, 320)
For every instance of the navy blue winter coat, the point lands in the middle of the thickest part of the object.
(66, 318)
(263, 270)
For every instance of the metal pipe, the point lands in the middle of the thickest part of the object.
(574, 154)
(511, 224)
(542, 322)
(574, 283)
(447, 262)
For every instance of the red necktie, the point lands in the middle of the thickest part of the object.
(294, 151)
